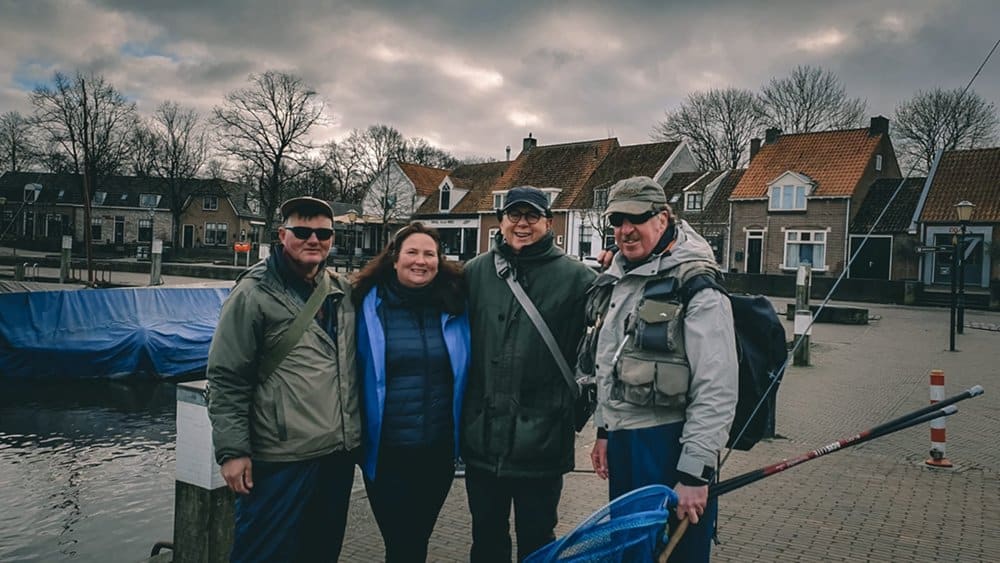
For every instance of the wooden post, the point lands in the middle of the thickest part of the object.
(803, 316)
(64, 261)
(155, 262)
(203, 505)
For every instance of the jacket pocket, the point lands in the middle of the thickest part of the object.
(537, 436)
(279, 415)
(652, 381)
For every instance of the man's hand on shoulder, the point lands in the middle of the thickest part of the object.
(238, 473)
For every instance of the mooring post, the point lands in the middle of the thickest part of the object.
(203, 505)
(64, 261)
(155, 261)
(803, 316)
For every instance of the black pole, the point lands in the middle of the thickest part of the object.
(960, 321)
(954, 296)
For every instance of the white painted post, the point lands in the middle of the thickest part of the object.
(155, 262)
(203, 505)
(65, 260)
(803, 316)
(938, 457)
(265, 251)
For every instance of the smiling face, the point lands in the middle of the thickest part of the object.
(637, 241)
(417, 263)
(306, 254)
(521, 233)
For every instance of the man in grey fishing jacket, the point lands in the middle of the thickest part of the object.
(667, 374)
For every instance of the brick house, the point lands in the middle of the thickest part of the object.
(890, 252)
(962, 175)
(217, 213)
(795, 202)
(704, 204)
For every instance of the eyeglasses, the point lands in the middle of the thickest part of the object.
(531, 217)
(617, 219)
(303, 233)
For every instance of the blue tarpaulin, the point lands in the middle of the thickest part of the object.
(159, 332)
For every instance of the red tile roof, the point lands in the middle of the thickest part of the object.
(565, 166)
(834, 160)
(625, 162)
(424, 178)
(477, 178)
(972, 175)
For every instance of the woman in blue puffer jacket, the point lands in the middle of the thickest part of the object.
(413, 356)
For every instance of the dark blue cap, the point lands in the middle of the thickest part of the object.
(528, 195)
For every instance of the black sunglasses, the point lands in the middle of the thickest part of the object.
(617, 219)
(303, 233)
(515, 216)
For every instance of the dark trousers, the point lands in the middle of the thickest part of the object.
(406, 497)
(535, 513)
(648, 456)
(296, 511)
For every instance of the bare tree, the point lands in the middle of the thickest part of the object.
(90, 121)
(420, 151)
(380, 146)
(266, 125)
(181, 153)
(717, 126)
(145, 150)
(810, 99)
(344, 163)
(943, 120)
(17, 151)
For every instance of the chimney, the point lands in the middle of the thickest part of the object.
(529, 143)
(771, 135)
(508, 153)
(754, 147)
(879, 126)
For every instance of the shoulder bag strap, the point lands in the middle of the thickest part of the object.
(294, 333)
(503, 270)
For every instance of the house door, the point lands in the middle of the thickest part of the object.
(187, 238)
(874, 260)
(119, 229)
(755, 248)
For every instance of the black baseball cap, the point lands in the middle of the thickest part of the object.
(528, 195)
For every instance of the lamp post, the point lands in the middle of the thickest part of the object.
(352, 217)
(964, 211)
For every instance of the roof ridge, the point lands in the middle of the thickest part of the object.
(592, 141)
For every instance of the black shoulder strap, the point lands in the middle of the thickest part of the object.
(698, 283)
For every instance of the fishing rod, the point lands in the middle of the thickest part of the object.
(925, 414)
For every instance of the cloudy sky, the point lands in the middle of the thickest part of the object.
(473, 77)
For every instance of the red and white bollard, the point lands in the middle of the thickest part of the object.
(937, 458)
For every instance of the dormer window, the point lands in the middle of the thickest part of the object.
(878, 163)
(124, 197)
(210, 203)
(99, 198)
(498, 199)
(693, 202)
(445, 197)
(788, 198)
(149, 200)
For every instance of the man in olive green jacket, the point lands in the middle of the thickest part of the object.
(517, 420)
(285, 437)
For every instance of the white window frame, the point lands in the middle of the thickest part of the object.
(499, 198)
(799, 237)
(797, 192)
(149, 200)
(210, 203)
(445, 205)
(214, 227)
(144, 224)
(878, 163)
(691, 197)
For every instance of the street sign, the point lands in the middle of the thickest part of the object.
(935, 249)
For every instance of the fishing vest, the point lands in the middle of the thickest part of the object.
(650, 365)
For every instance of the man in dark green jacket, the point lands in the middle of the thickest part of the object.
(517, 421)
(285, 437)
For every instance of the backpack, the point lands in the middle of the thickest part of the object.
(761, 351)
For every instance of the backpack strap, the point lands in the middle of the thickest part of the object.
(504, 271)
(291, 337)
(698, 282)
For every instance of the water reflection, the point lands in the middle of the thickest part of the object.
(86, 469)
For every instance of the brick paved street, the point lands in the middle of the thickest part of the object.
(874, 502)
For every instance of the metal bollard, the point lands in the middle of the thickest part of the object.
(937, 458)
(203, 505)
(803, 316)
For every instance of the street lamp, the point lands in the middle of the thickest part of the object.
(352, 217)
(964, 211)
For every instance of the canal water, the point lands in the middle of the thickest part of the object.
(86, 470)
